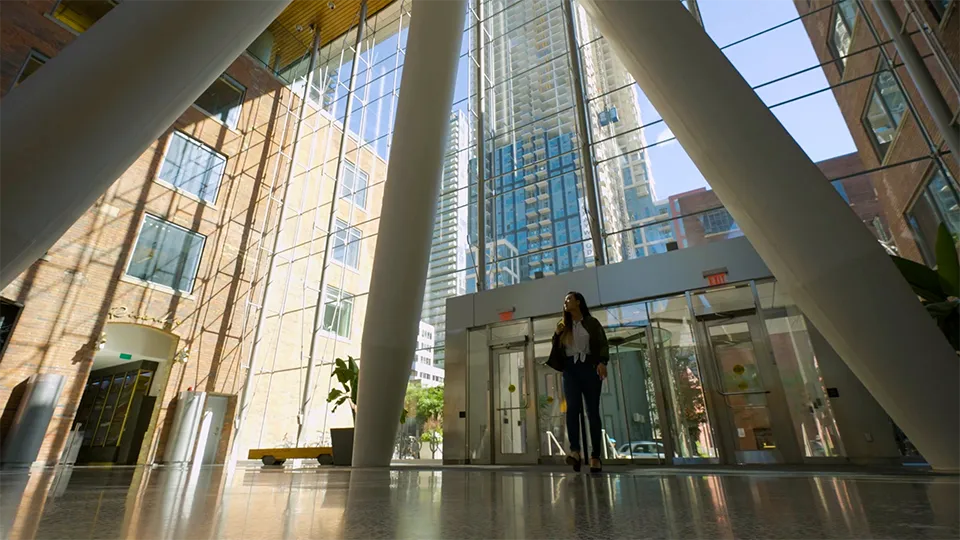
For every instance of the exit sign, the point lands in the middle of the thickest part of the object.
(125, 356)
(717, 276)
(716, 279)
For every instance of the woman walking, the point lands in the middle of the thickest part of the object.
(581, 352)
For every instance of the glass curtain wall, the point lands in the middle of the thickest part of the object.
(533, 177)
(336, 188)
(337, 272)
(652, 198)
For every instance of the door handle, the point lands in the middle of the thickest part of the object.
(746, 393)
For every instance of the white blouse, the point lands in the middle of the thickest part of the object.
(580, 347)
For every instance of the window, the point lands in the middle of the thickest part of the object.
(33, 63)
(166, 254)
(192, 167)
(346, 244)
(841, 32)
(717, 221)
(938, 7)
(79, 15)
(9, 315)
(337, 312)
(885, 107)
(223, 101)
(353, 185)
(938, 202)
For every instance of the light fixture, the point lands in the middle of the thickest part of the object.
(182, 356)
(102, 342)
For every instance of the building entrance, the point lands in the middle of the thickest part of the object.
(722, 375)
(118, 410)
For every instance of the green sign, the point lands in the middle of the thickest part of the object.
(125, 356)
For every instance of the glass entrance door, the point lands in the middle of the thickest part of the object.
(745, 390)
(515, 432)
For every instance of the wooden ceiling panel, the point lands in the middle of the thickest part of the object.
(293, 36)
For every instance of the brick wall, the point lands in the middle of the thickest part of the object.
(67, 296)
(898, 186)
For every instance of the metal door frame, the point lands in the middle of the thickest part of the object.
(522, 344)
(666, 432)
(788, 450)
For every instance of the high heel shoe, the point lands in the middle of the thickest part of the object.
(596, 465)
(574, 461)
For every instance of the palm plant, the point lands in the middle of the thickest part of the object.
(939, 287)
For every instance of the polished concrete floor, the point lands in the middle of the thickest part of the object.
(142, 503)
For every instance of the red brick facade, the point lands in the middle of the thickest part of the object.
(68, 295)
(897, 187)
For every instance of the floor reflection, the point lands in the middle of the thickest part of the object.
(214, 502)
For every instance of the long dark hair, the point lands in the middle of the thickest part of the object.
(568, 319)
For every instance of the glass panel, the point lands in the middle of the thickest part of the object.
(86, 403)
(937, 203)
(736, 357)
(508, 332)
(143, 383)
(612, 396)
(551, 406)
(337, 312)
(636, 421)
(724, 300)
(840, 35)
(478, 405)
(346, 244)
(99, 400)
(222, 100)
(945, 198)
(891, 95)
(736, 360)
(123, 405)
(799, 370)
(192, 167)
(34, 61)
(511, 402)
(166, 255)
(80, 15)
(354, 185)
(109, 405)
(683, 387)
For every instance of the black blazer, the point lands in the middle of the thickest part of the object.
(599, 348)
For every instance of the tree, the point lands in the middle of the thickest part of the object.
(425, 407)
(433, 435)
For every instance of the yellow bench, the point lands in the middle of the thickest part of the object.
(276, 456)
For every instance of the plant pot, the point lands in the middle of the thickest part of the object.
(342, 439)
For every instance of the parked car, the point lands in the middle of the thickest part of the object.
(642, 450)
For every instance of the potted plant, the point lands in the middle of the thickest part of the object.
(939, 287)
(347, 374)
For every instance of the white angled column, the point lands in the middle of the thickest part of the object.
(406, 225)
(814, 244)
(73, 127)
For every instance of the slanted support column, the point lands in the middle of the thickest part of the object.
(816, 247)
(406, 225)
(73, 127)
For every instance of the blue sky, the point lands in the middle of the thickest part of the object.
(815, 122)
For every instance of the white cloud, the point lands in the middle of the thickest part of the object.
(665, 135)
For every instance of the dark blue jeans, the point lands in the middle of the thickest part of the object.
(581, 383)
